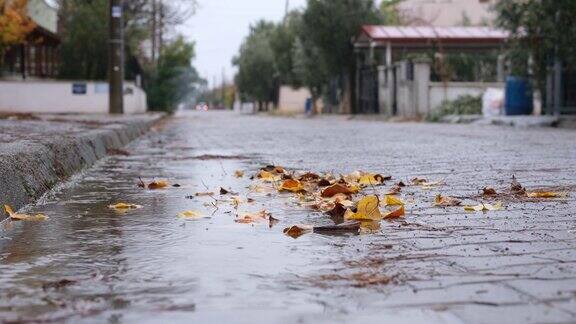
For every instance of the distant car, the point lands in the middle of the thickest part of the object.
(202, 106)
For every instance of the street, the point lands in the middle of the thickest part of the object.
(91, 263)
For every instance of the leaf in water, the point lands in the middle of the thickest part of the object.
(545, 194)
(296, 231)
(337, 212)
(248, 218)
(239, 173)
(336, 189)
(367, 210)
(516, 187)
(224, 191)
(394, 190)
(484, 207)
(203, 194)
(307, 177)
(190, 214)
(268, 176)
(346, 227)
(390, 200)
(291, 185)
(158, 184)
(488, 191)
(400, 212)
(124, 207)
(418, 181)
(445, 201)
(24, 217)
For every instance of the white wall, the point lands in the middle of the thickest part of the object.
(440, 91)
(43, 14)
(445, 12)
(57, 97)
(293, 100)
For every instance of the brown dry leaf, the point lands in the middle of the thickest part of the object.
(445, 201)
(296, 231)
(24, 217)
(323, 183)
(203, 194)
(401, 184)
(346, 227)
(239, 173)
(309, 176)
(484, 207)
(158, 184)
(394, 190)
(291, 185)
(400, 212)
(367, 210)
(390, 200)
(336, 189)
(337, 212)
(545, 194)
(248, 218)
(516, 187)
(418, 181)
(488, 191)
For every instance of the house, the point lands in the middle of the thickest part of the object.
(446, 13)
(38, 56)
(405, 71)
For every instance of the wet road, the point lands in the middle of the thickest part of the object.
(89, 263)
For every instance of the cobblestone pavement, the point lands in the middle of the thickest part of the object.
(437, 265)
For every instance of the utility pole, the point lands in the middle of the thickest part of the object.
(116, 58)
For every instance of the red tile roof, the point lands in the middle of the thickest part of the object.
(422, 34)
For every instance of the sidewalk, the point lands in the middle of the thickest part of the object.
(39, 151)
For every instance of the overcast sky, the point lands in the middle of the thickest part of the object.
(219, 27)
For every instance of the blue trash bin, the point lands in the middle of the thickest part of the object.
(519, 97)
(308, 106)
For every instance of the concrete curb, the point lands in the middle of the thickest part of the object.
(28, 169)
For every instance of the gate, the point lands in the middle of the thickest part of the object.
(368, 91)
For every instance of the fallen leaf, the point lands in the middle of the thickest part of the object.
(394, 190)
(248, 218)
(337, 212)
(516, 187)
(429, 185)
(203, 194)
(223, 191)
(323, 183)
(401, 184)
(445, 201)
(124, 206)
(190, 214)
(238, 173)
(295, 231)
(484, 207)
(309, 177)
(400, 212)
(488, 191)
(370, 180)
(24, 217)
(418, 181)
(291, 185)
(158, 184)
(336, 189)
(236, 201)
(268, 176)
(545, 194)
(390, 200)
(367, 209)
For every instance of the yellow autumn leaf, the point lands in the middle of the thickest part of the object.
(190, 214)
(158, 184)
(369, 179)
(247, 218)
(291, 185)
(124, 206)
(24, 217)
(484, 207)
(367, 209)
(390, 200)
(268, 176)
(544, 194)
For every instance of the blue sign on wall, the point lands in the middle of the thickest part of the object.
(79, 88)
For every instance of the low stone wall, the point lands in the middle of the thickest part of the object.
(440, 91)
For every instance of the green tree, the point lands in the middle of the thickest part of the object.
(256, 65)
(389, 11)
(542, 30)
(330, 25)
(174, 78)
(283, 43)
